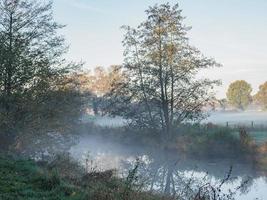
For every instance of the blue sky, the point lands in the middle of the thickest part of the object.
(234, 32)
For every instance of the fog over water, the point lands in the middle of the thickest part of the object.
(106, 154)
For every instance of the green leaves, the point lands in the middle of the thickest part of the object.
(33, 70)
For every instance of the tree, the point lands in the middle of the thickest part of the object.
(160, 89)
(223, 103)
(239, 94)
(261, 96)
(101, 82)
(33, 70)
(30, 49)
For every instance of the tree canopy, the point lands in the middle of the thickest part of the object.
(30, 49)
(239, 94)
(161, 89)
(32, 63)
(261, 96)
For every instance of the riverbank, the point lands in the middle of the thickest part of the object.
(65, 179)
(62, 179)
(192, 140)
(206, 142)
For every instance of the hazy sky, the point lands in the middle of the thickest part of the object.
(234, 32)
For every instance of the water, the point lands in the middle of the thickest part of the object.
(106, 154)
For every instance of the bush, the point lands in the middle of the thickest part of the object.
(224, 142)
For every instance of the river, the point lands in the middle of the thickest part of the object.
(105, 154)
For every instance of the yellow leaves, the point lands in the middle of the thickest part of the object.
(99, 82)
(261, 96)
(239, 94)
(158, 31)
(171, 50)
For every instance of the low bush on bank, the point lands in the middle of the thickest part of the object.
(195, 140)
(216, 142)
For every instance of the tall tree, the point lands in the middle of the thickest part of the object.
(33, 72)
(261, 96)
(161, 90)
(239, 94)
(30, 48)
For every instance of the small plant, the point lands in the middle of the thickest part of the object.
(131, 180)
(49, 181)
(206, 190)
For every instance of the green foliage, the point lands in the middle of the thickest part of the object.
(131, 180)
(25, 180)
(197, 142)
(30, 49)
(188, 139)
(34, 96)
(239, 94)
(49, 181)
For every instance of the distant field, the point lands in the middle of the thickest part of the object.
(220, 118)
(259, 118)
(259, 136)
(104, 121)
(248, 118)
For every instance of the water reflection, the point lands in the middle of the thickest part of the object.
(171, 173)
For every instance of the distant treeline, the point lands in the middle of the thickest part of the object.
(239, 96)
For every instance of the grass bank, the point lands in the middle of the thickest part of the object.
(62, 179)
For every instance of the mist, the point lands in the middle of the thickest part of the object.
(160, 124)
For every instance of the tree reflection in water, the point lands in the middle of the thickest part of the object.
(186, 177)
(173, 173)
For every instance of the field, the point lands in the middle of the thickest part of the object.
(259, 136)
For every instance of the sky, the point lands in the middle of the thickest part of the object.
(233, 32)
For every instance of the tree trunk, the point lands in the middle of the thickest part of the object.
(8, 68)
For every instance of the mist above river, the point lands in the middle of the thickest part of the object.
(105, 154)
